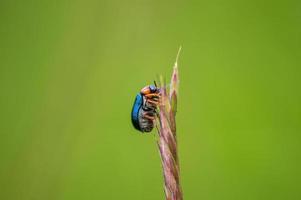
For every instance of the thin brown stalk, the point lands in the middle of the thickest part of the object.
(167, 142)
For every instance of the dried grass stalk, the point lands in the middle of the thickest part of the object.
(167, 141)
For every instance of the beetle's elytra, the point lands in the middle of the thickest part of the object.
(144, 108)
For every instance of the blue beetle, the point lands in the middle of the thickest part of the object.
(144, 108)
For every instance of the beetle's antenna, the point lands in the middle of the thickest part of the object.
(155, 83)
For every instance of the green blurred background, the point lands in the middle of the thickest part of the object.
(70, 70)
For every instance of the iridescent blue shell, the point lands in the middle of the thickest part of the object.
(135, 111)
(139, 110)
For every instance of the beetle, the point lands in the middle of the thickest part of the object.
(144, 108)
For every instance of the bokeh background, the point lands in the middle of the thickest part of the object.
(70, 70)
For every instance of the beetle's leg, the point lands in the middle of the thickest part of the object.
(149, 117)
(156, 95)
(152, 102)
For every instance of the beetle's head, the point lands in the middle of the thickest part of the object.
(149, 89)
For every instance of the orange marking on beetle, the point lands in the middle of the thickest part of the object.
(145, 90)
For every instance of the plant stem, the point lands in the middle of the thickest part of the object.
(167, 142)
